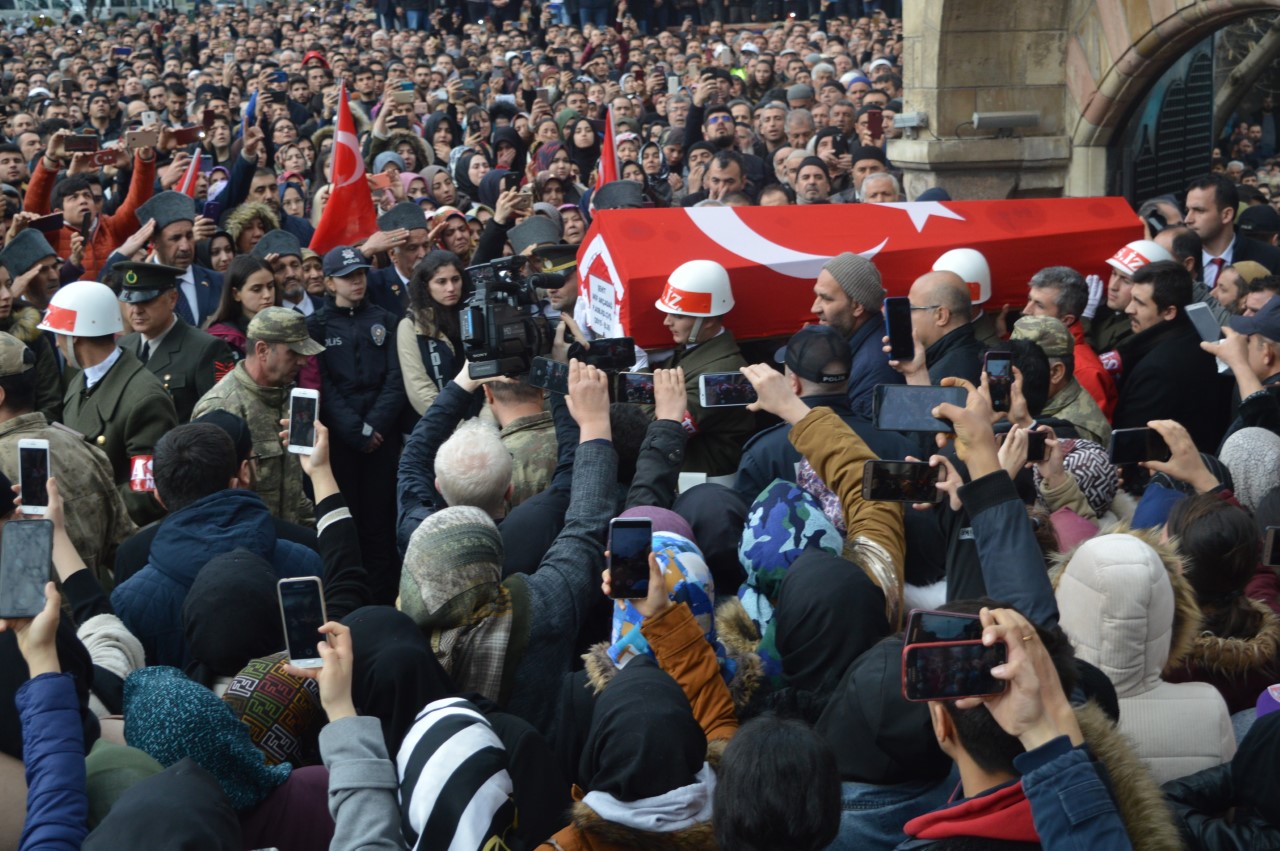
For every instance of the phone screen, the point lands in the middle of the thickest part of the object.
(897, 327)
(302, 421)
(925, 627)
(550, 375)
(85, 144)
(875, 123)
(999, 367)
(630, 542)
(950, 671)
(900, 481)
(302, 607)
(613, 353)
(26, 559)
(906, 407)
(725, 389)
(1131, 445)
(47, 224)
(1036, 445)
(636, 388)
(33, 471)
(1271, 549)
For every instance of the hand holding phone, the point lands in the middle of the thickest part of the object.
(897, 327)
(26, 561)
(630, 542)
(1135, 445)
(302, 612)
(901, 481)
(33, 475)
(951, 670)
(303, 412)
(725, 390)
(999, 369)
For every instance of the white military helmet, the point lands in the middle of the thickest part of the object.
(1137, 254)
(972, 268)
(83, 309)
(697, 288)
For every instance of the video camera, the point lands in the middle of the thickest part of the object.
(503, 328)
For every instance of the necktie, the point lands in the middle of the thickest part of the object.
(146, 352)
(1217, 263)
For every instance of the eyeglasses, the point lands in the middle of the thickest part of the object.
(716, 119)
(926, 307)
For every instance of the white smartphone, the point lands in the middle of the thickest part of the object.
(33, 475)
(1206, 325)
(303, 612)
(304, 407)
(150, 117)
(725, 390)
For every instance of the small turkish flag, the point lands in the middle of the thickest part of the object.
(608, 171)
(187, 186)
(348, 215)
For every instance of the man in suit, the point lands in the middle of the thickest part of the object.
(405, 227)
(281, 251)
(186, 360)
(113, 401)
(199, 289)
(1212, 202)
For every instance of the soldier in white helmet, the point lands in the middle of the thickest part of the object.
(114, 401)
(1111, 326)
(696, 299)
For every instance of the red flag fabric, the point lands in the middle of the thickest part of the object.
(187, 186)
(348, 215)
(774, 254)
(608, 171)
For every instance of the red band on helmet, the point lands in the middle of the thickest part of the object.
(686, 302)
(60, 319)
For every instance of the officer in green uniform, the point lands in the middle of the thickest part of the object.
(187, 361)
(114, 401)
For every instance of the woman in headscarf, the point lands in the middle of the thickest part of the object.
(656, 174)
(491, 187)
(553, 160)
(182, 807)
(1253, 457)
(549, 189)
(442, 189)
(509, 150)
(469, 169)
(584, 146)
(230, 616)
(293, 200)
(429, 337)
(216, 252)
(442, 133)
(250, 288)
(415, 186)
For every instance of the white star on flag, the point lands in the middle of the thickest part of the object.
(920, 211)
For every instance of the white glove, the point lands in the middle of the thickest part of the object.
(1096, 289)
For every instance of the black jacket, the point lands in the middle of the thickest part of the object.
(957, 355)
(361, 391)
(1207, 808)
(1248, 248)
(1166, 376)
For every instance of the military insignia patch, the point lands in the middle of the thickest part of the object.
(379, 334)
(131, 277)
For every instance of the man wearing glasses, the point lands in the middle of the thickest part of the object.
(941, 311)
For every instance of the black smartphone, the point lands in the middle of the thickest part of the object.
(26, 561)
(303, 613)
(901, 481)
(1131, 445)
(725, 390)
(33, 474)
(509, 181)
(999, 369)
(84, 143)
(186, 135)
(635, 388)
(304, 408)
(550, 375)
(630, 541)
(951, 670)
(47, 224)
(897, 327)
(875, 123)
(1271, 548)
(907, 407)
(212, 210)
(278, 97)
(607, 353)
(1036, 445)
(399, 122)
(929, 627)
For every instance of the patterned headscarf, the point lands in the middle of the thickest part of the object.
(281, 711)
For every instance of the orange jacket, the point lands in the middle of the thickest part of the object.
(1092, 375)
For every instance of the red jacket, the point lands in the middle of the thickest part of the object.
(1092, 375)
(111, 231)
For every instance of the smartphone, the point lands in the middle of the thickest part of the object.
(673, 84)
(999, 369)
(630, 541)
(1201, 317)
(400, 122)
(206, 118)
(303, 409)
(26, 561)
(187, 135)
(103, 158)
(402, 96)
(907, 407)
(950, 670)
(33, 474)
(550, 375)
(543, 93)
(610, 353)
(141, 138)
(122, 51)
(1131, 445)
(278, 97)
(206, 163)
(724, 390)
(1036, 445)
(635, 388)
(509, 181)
(1271, 549)
(929, 627)
(212, 210)
(303, 613)
(381, 180)
(81, 143)
(277, 77)
(897, 327)
(901, 481)
(49, 223)
(875, 123)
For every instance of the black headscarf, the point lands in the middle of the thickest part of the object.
(717, 515)
(204, 248)
(394, 673)
(828, 614)
(73, 658)
(512, 138)
(644, 740)
(490, 187)
(432, 124)
(584, 158)
(231, 615)
(182, 809)
(1253, 768)
(462, 173)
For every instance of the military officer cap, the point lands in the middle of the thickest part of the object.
(145, 281)
(15, 357)
(553, 258)
(1048, 333)
(283, 325)
(619, 195)
(166, 208)
(535, 230)
(277, 242)
(25, 250)
(405, 215)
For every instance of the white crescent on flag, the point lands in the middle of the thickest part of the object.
(348, 140)
(726, 228)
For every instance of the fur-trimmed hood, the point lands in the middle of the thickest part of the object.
(746, 679)
(1238, 657)
(237, 218)
(426, 157)
(1120, 612)
(22, 323)
(588, 830)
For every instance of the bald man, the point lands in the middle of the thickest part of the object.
(940, 316)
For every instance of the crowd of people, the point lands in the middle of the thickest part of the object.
(166, 285)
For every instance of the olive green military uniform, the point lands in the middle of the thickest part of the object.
(96, 517)
(279, 473)
(1106, 333)
(187, 361)
(716, 446)
(1072, 402)
(125, 415)
(531, 441)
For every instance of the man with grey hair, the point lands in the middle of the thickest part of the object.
(800, 127)
(474, 468)
(771, 124)
(678, 109)
(1061, 293)
(881, 188)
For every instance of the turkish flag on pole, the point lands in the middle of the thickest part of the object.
(608, 171)
(348, 214)
(187, 186)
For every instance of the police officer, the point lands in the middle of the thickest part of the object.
(186, 360)
(361, 397)
(114, 401)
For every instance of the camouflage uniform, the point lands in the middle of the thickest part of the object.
(531, 441)
(1071, 403)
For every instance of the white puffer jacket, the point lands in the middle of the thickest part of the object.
(1128, 610)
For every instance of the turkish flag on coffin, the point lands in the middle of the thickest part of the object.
(774, 254)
